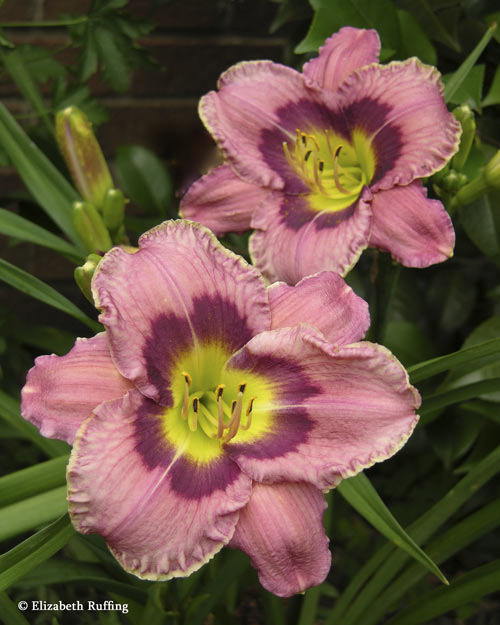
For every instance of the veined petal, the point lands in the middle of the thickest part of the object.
(341, 54)
(280, 529)
(335, 411)
(292, 241)
(324, 301)
(248, 105)
(170, 515)
(182, 290)
(222, 201)
(417, 231)
(401, 109)
(62, 391)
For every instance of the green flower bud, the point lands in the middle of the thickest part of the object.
(90, 227)
(83, 155)
(468, 122)
(113, 209)
(83, 275)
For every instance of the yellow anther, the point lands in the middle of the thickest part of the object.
(219, 391)
(241, 387)
(187, 377)
(248, 414)
(185, 403)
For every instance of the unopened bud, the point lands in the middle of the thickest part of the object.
(113, 209)
(83, 155)
(83, 275)
(467, 120)
(90, 227)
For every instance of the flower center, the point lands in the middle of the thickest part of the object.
(334, 169)
(198, 409)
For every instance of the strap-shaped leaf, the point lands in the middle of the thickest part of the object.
(360, 493)
(465, 589)
(34, 550)
(33, 480)
(47, 185)
(9, 411)
(466, 358)
(13, 225)
(463, 71)
(9, 612)
(25, 515)
(30, 285)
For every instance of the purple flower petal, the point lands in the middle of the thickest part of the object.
(170, 515)
(416, 231)
(324, 301)
(355, 406)
(280, 529)
(342, 54)
(222, 201)
(62, 391)
(401, 108)
(180, 291)
(286, 247)
(250, 98)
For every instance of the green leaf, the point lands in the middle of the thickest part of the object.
(414, 41)
(43, 180)
(481, 222)
(407, 342)
(309, 607)
(330, 15)
(33, 480)
(465, 68)
(36, 549)
(25, 515)
(34, 287)
(470, 91)
(451, 297)
(467, 358)
(9, 613)
(385, 564)
(459, 536)
(9, 411)
(468, 587)
(433, 403)
(88, 57)
(13, 225)
(61, 571)
(423, 13)
(493, 95)
(113, 62)
(359, 492)
(452, 437)
(144, 178)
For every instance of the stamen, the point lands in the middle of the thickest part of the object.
(321, 166)
(248, 414)
(308, 154)
(315, 141)
(193, 416)
(288, 156)
(242, 387)
(336, 172)
(185, 404)
(234, 424)
(220, 410)
(304, 139)
(316, 176)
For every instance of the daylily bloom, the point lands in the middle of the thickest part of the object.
(326, 162)
(214, 410)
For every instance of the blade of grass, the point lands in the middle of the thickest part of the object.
(33, 480)
(47, 185)
(463, 71)
(9, 411)
(387, 561)
(30, 285)
(25, 515)
(36, 549)
(467, 356)
(467, 588)
(360, 493)
(13, 225)
(9, 613)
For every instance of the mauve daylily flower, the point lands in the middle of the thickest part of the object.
(214, 410)
(327, 162)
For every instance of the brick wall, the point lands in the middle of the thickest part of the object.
(195, 40)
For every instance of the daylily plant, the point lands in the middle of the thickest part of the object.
(215, 410)
(326, 162)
